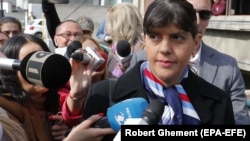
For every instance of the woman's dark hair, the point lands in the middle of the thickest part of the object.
(161, 13)
(9, 80)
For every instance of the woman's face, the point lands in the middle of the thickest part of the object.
(169, 50)
(96, 75)
(34, 90)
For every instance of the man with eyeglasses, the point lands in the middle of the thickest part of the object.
(65, 32)
(215, 67)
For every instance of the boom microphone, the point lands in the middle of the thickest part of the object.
(43, 68)
(123, 53)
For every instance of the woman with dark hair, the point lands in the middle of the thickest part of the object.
(27, 104)
(35, 106)
(171, 37)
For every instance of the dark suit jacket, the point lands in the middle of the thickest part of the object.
(222, 71)
(211, 103)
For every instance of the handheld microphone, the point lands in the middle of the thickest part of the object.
(120, 112)
(75, 51)
(43, 68)
(150, 116)
(123, 53)
(72, 47)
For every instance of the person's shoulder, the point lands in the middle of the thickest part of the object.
(218, 54)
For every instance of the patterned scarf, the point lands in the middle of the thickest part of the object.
(178, 108)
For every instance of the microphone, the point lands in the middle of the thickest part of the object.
(150, 116)
(123, 53)
(120, 112)
(72, 47)
(44, 68)
(75, 51)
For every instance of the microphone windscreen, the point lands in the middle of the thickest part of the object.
(129, 108)
(152, 114)
(123, 48)
(72, 47)
(47, 69)
(105, 57)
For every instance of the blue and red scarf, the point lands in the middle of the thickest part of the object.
(178, 107)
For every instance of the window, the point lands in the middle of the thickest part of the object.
(240, 7)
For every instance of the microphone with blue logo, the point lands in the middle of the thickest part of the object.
(150, 116)
(120, 112)
(134, 111)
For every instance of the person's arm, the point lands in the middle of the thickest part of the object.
(52, 18)
(80, 81)
(238, 96)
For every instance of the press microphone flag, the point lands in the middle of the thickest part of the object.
(43, 68)
(150, 116)
(129, 108)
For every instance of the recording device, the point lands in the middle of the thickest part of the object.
(150, 116)
(123, 53)
(120, 112)
(75, 51)
(59, 1)
(43, 68)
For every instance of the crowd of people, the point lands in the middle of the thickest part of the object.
(169, 61)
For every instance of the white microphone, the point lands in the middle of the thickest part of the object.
(151, 116)
(123, 53)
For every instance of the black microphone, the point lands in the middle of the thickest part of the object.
(123, 53)
(44, 68)
(152, 114)
(70, 51)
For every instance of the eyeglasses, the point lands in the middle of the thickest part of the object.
(205, 14)
(14, 32)
(68, 35)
